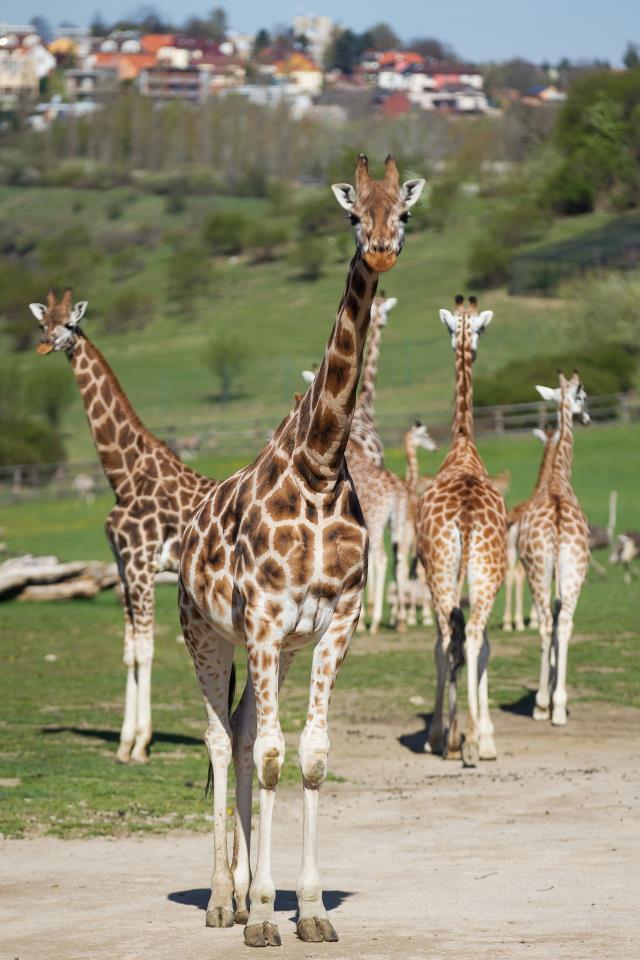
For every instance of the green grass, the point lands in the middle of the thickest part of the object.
(60, 719)
(283, 323)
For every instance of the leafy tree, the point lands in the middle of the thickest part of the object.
(261, 42)
(19, 286)
(189, 275)
(432, 48)
(344, 52)
(380, 37)
(48, 391)
(129, 309)
(309, 258)
(631, 57)
(227, 357)
(518, 74)
(598, 142)
(42, 26)
(98, 26)
(224, 232)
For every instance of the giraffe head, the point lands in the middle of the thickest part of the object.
(466, 317)
(59, 321)
(378, 209)
(573, 391)
(421, 437)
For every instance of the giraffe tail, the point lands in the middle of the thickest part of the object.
(208, 790)
(456, 644)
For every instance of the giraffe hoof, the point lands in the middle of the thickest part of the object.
(559, 716)
(262, 935)
(487, 749)
(540, 713)
(219, 917)
(507, 627)
(470, 753)
(241, 916)
(123, 755)
(315, 930)
(140, 757)
(401, 626)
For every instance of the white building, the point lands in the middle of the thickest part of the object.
(318, 31)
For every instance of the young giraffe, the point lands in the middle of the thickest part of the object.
(553, 537)
(461, 531)
(382, 495)
(275, 559)
(515, 575)
(155, 496)
(417, 436)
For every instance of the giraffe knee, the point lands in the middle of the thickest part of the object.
(268, 756)
(313, 755)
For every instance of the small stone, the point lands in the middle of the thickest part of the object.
(50, 657)
(417, 700)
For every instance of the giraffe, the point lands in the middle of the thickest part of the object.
(155, 496)
(417, 436)
(274, 559)
(515, 575)
(381, 494)
(461, 531)
(553, 536)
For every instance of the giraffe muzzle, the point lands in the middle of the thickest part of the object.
(380, 262)
(44, 347)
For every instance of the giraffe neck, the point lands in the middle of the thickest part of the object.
(411, 477)
(563, 457)
(546, 463)
(367, 395)
(463, 404)
(118, 433)
(322, 422)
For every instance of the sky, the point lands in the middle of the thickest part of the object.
(538, 30)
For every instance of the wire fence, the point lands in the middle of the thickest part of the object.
(245, 438)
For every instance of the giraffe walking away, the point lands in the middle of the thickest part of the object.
(553, 538)
(275, 559)
(417, 593)
(155, 496)
(515, 575)
(461, 533)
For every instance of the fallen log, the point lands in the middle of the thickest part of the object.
(85, 587)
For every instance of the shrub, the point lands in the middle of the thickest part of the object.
(20, 286)
(316, 214)
(264, 239)
(129, 309)
(227, 357)
(603, 370)
(224, 232)
(308, 258)
(189, 274)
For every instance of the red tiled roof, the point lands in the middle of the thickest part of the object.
(152, 42)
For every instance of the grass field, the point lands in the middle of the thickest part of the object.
(60, 718)
(284, 323)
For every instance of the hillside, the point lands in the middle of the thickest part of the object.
(282, 321)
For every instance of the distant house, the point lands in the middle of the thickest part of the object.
(544, 93)
(24, 61)
(83, 84)
(166, 83)
(301, 70)
(127, 66)
(397, 104)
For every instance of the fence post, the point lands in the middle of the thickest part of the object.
(498, 420)
(624, 412)
(542, 416)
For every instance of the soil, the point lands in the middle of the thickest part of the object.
(535, 855)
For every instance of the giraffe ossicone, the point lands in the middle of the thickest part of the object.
(274, 559)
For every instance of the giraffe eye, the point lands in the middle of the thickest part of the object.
(354, 218)
(404, 217)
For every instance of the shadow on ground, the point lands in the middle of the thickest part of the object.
(286, 900)
(415, 742)
(523, 707)
(113, 736)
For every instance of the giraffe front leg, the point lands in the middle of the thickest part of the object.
(313, 923)
(143, 613)
(244, 734)
(268, 755)
(378, 559)
(128, 729)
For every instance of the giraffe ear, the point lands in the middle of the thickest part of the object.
(389, 304)
(345, 195)
(482, 321)
(410, 191)
(308, 376)
(540, 435)
(548, 393)
(449, 320)
(78, 313)
(39, 311)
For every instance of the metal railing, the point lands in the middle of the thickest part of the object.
(246, 437)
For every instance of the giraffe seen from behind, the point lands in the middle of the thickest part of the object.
(275, 559)
(155, 496)
(553, 540)
(461, 533)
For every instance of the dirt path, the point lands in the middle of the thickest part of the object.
(534, 856)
